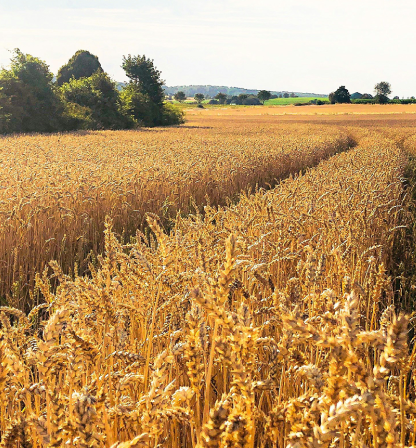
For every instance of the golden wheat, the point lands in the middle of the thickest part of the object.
(55, 191)
(268, 323)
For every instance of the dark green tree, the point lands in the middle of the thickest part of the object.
(29, 102)
(199, 97)
(382, 88)
(180, 96)
(341, 95)
(264, 95)
(83, 64)
(139, 107)
(331, 98)
(145, 77)
(94, 103)
(144, 95)
(221, 97)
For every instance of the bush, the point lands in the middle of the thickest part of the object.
(28, 100)
(93, 103)
(251, 101)
(172, 115)
(213, 102)
(381, 99)
(363, 101)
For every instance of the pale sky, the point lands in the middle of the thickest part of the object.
(295, 45)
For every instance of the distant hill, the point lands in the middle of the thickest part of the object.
(213, 90)
(232, 91)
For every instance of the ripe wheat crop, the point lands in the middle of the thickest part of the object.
(268, 323)
(55, 191)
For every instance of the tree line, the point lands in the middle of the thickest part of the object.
(222, 98)
(82, 96)
(381, 90)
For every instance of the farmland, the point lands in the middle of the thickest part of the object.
(245, 280)
(54, 200)
(287, 101)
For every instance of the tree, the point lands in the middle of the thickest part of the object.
(83, 64)
(143, 97)
(356, 96)
(180, 96)
(145, 77)
(331, 98)
(242, 96)
(221, 97)
(251, 100)
(28, 102)
(341, 95)
(285, 95)
(382, 88)
(199, 97)
(264, 95)
(94, 103)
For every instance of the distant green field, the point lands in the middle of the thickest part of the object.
(190, 103)
(287, 101)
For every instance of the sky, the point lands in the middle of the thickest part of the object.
(293, 45)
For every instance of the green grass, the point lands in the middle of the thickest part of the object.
(288, 101)
(187, 104)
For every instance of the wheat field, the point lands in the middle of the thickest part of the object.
(281, 319)
(57, 190)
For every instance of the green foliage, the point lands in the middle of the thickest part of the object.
(144, 112)
(139, 107)
(28, 101)
(221, 97)
(264, 95)
(145, 77)
(199, 97)
(172, 115)
(143, 96)
(82, 65)
(290, 101)
(382, 89)
(244, 100)
(381, 99)
(341, 95)
(31, 102)
(363, 101)
(93, 103)
(356, 96)
(180, 96)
